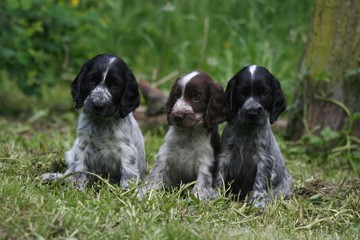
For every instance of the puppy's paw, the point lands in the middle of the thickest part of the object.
(125, 184)
(218, 182)
(204, 193)
(140, 193)
(258, 199)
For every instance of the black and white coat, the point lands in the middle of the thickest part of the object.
(195, 106)
(110, 142)
(250, 160)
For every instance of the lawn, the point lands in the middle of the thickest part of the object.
(325, 203)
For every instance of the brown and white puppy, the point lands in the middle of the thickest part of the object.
(250, 160)
(195, 107)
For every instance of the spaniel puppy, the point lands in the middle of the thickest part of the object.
(109, 140)
(194, 108)
(250, 159)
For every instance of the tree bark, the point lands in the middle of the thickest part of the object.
(328, 88)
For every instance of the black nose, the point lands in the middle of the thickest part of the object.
(98, 106)
(252, 113)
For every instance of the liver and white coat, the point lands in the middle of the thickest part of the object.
(195, 107)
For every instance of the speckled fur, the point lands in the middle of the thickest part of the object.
(186, 156)
(250, 160)
(109, 140)
(113, 148)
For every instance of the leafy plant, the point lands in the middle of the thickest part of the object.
(44, 42)
(41, 39)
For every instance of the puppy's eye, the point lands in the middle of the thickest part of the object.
(242, 94)
(176, 95)
(196, 98)
(92, 81)
(115, 86)
(264, 93)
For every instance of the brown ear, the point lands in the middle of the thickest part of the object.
(217, 107)
(173, 96)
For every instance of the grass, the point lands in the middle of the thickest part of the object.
(326, 201)
(157, 39)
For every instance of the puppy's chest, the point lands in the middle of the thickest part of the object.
(102, 148)
(188, 153)
(250, 149)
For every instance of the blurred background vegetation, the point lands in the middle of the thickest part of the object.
(44, 42)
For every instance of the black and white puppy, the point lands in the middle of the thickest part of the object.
(250, 159)
(109, 140)
(194, 108)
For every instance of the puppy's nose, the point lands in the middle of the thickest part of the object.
(98, 106)
(178, 116)
(252, 113)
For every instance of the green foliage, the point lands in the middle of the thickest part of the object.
(41, 39)
(319, 209)
(330, 148)
(329, 144)
(44, 42)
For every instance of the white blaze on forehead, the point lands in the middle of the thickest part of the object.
(111, 60)
(182, 106)
(185, 79)
(252, 70)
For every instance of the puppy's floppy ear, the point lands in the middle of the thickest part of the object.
(279, 104)
(130, 99)
(173, 96)
(76, 93)
(216, 108)
(229, 98)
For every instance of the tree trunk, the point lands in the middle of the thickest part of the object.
(328, 89)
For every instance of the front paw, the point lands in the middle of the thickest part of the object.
(79, 181)
(219, 182)
(204, 193)
(125, 184)
(127, 179)
(141, 193)
(258, 199)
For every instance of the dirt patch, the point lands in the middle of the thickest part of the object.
(319, 187)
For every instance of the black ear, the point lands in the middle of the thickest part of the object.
(130, 99)
(279, 104)
(229, 98)
(172, 99)
(217, 107)
(76, 93)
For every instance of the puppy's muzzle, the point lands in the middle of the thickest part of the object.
(182, 118)
(252, 113)
(98, 107)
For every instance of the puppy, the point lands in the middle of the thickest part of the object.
(109, 140)
(250, 159)
(194, 108)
